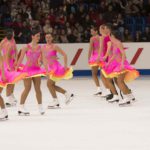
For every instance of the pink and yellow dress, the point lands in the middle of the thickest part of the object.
(11, 75)
(32, 67)
(94, 55)
(55, 70)
(114, 68)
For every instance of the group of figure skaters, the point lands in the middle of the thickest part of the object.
(106, 52)
(12, 70)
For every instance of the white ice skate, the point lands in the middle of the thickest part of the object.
(98, 92)
(41, 110)
(114, 99)
(126, 101)
(105, 93)
(69, 97)
(11, 101)
(132, 97)
(54, 104)
(22, 111)
(3, 115)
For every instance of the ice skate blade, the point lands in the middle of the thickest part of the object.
(10, 105)
(43, 113)
(98, 94)
(23, 114)
(115, 101)
(54, 107)
(70, 99)
(4, 119)
(125, 104)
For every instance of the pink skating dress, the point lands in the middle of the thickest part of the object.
(32, 66)
(114, 68)
(11, 75)
(56, 71)
(94, 55)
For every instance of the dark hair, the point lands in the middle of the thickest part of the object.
(48, 33)
(116, 34)
(109, 26)
(35, 31)
(94, 28)
(9, 34)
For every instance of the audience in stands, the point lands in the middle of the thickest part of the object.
(71, 20)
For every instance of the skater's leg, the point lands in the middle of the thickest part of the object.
(27, 88)
(10, 89)
(37, 87)
(3, 112)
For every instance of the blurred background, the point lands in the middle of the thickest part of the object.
(70, 20)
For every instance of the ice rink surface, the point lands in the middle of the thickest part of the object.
(88, 123)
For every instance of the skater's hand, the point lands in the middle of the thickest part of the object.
(47, 75)
(107, 64)
(65, 66)
(9, 69)
(15, 63)
(122, 66)
(98, 60)
(16, 68)
(104, 58)
(4, 79)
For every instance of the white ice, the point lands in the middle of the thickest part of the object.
(88, 123)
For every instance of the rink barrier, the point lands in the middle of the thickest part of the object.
(138, 54)
(88, 73)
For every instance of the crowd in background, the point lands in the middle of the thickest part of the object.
(71, 20)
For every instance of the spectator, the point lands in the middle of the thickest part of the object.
(146, 35)
(70, 36)
(25, 33)
(47, 27)
(63, 37)
(74, 17)
(137, 36)
(110, 14)
(127, 36)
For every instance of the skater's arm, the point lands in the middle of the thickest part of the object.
(40, 58)
(2, 68)
(111, 59)
(59, 50)
(44, 60)
(1, 45)
(120, 46)
(109, 44)
(90, 49)
(23, 51)
(101, 41)
(16, 56)
(8, 56)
